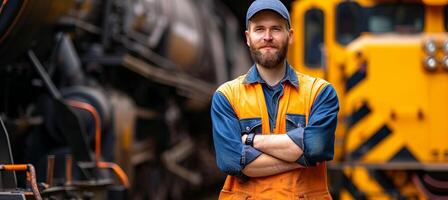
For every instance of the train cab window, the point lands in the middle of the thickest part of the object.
(352, 19)
(314, 38)
(401, 18)
(348, 22)
(446, 18)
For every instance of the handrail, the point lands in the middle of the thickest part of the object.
(103, 165)
(89, 108)
(31, 174)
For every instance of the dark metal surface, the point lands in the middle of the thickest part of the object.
(198, 89)
(45, 77)
(67, 121)
(7, 179)
(11, 196)
(30, 23)
(68, 124)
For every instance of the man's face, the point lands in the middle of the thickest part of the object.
(268, 37)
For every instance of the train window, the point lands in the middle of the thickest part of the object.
(352, 19)
(348, 22)
(314, 37)
(402, 18)
(446, 18)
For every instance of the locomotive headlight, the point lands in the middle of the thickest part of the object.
(445, 62)
(445, 46)
(430, 63)
(430, 47)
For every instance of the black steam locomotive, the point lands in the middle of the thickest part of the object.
(108, 99)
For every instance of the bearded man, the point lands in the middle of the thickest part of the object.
(273, 128)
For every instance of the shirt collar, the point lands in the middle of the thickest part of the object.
(254, 77)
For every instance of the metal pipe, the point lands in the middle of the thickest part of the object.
(89, 108)
(117, 170)
(68, 169)
(44, 75)
(31, 174)
(50, 169)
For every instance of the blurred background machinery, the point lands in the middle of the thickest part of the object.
(388, 63)
(109, 99)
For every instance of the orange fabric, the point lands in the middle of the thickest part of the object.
(248, 102)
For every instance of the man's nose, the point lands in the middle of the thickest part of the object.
(267, 35)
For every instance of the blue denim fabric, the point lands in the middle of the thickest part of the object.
(271, 96)
(294, 121)
(250, 125)
(317, 138)
(231, 154)
(254, 77)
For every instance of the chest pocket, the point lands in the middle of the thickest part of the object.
(250, 125)
(295, 121)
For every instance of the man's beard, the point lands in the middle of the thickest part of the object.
(269, 61)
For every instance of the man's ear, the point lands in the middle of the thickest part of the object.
(247, 37)
(291, 34)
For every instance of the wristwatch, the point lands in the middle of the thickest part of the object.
(250, 139)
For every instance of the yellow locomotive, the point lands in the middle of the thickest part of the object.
(388, 61)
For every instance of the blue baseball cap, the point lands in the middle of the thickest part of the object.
(274, 5)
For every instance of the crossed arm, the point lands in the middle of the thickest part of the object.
(278, 155)
(274, 153)
(266, 165)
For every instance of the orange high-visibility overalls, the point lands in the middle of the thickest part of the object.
(248, 101)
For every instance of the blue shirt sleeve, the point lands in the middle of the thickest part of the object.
(317, 138)
(231, 154)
